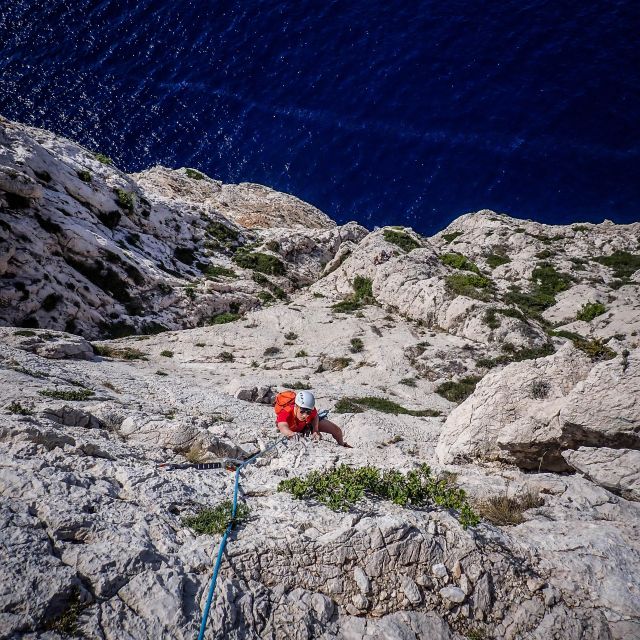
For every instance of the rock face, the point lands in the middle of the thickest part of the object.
(615, 469)
(446, 350)
(92, 250)
(530, 412)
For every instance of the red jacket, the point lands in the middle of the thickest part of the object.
(287, 415)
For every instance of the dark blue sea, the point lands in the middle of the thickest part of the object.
(385, 112)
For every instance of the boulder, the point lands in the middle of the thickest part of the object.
(615, 469)
(531, 411)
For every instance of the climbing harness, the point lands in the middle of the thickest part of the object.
(223, 542)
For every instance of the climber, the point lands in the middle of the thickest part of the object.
(296, 414)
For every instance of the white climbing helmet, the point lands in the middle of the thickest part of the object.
(305, 399)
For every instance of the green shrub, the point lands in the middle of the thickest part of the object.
(298, 385)
(223, 318)
(363, 290)
(26, 333)
(265, 296)
(128, 353)
(216, 520)
(66, 623)
(301, 354)
(495, 260)
(226, 356)
(347, 405)
(471, 285)
(271, 351)
(341, 488)
(100, 157)
(409, 382)
(190, 292)
(450, 237)
(580, 228)
(460, 390)
(362, 295)
(623, 264)
(458, 261)
(490, 318)
(216, 270)
(531, 304)
(517, 355)
(194, 175)
(84, 175)
(125, 200)
(356, 345)
(17, 408)
(161, 373)
(590, 310)
(222, 232)
(549, 281)
(596, 349)
(58, 394)
(316, 294)
(545, 253)
(400, 239)
(166, 353)
(290, 335)
(262, 262)
(50, 302)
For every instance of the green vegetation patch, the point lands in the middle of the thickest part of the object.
(275, 290)
(362, 295)
(125, 200)
(596, 349)
(262, 262)
(341, 488)
(84, 175)
(66, 623)
(491, 319)
(458, 261)
(216, 520)
(590, 310)
(100, 157)
(550, 281)
(26, 333)
(622, 263)
(16, 408)
(517, 355)
(166, 353)
(298, 385)
(347, 405)
(226, 356)
(357, 345)
(531, 304)
(223, 318)
(216, 270)
(495, 260)
(457, 391)
(450, 237)
(471, 285)
(194, 174)
(128, 353)
(222, 232)
(401, 239)
(73, 395)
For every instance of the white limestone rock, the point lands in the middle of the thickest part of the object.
(615, 469)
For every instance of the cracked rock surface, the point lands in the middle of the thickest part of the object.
(533, 412)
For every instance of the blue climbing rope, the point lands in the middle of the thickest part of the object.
(223, 542)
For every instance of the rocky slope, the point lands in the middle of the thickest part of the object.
(517, 341)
